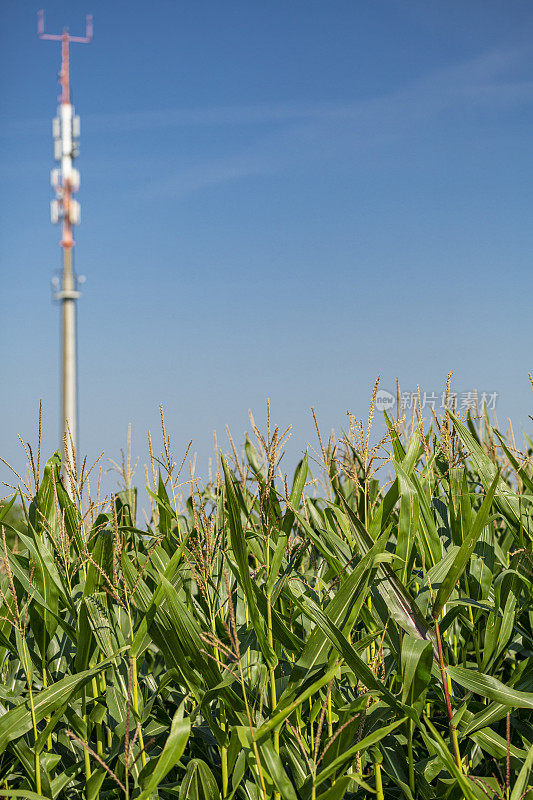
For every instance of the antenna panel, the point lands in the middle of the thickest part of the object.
(55, 211)
(74, 212)
(74, 180)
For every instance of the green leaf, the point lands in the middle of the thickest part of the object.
(100, 623)
(18, 721)
(407, 524)
(361, 670)
(288, 706)
(339, 788)
(277, 560)
(436, 742)
(360, 747)
(94, 783)
(317, 645)
(164, 508)
(400, 605)
(496, 745)
(300, 477)
(465, 551)
(42, 507)
(417, 661)
(198, 782)
(102, 555)
(274, 767)
(429, 535)
(172, 752)
(487, 686)
(505, 498)
(189, 634)
(490, 714)
(240, 551)
(522, 781)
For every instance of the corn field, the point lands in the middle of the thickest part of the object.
(361, 629)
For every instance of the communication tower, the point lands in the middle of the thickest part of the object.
(65, 210)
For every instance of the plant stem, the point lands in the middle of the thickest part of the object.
(330, 728)
(311, 732)
(410, 731)
(99, 732)
(136, 708)
(273, 697)
(444, 675)
(86, 755)
(379, 782)
(508, 758)
(224, 756)
(37, 761)
(45, 684)
(134, 679)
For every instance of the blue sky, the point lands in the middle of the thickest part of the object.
(279, 199)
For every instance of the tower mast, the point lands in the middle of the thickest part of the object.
(66, 211)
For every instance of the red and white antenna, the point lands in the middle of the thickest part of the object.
(66, 211)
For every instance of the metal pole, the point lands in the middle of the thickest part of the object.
(66, 210)
(68, 363)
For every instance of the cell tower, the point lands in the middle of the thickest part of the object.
(66, 211)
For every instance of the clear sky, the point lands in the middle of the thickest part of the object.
(279, 199)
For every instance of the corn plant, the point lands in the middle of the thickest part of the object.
(361, 629)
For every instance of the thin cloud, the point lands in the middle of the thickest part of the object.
(208, 117)
(321, 132)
